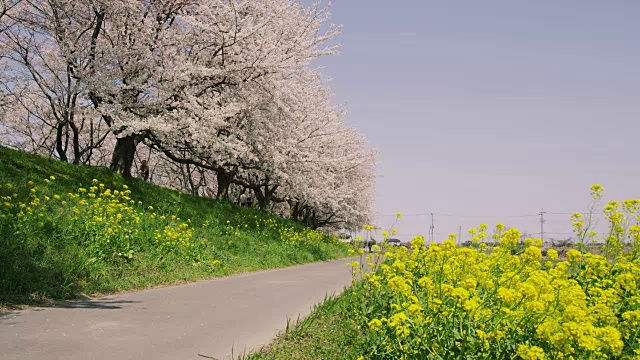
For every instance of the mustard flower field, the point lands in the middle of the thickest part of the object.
(502, 298)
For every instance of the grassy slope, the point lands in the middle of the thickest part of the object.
(41, 260)
(329, 333)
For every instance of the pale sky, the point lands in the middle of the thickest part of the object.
(492, 108)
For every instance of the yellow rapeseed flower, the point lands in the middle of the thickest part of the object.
(375, 324)
(574, 255)
(527, 352)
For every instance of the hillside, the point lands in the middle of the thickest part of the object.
(67, 231)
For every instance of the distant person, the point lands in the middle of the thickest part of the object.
(144, 170)
(244, 200)
(250, 200)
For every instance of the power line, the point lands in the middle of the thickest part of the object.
(492, 216)
(462, 216)
(575, 212)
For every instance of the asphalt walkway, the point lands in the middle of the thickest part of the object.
(202, 320)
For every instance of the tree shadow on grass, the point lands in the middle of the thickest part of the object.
(37, 268)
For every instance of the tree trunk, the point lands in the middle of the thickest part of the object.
(224, 181)
(123, 155)
(260, 197)
(295, 210)
(60, 143)
(76, 143)
(193, 188)
(313, 220)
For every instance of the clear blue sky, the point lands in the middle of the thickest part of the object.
(496, 108)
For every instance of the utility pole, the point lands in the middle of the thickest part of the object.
(542, 224)
(459, 235)
(431, 230)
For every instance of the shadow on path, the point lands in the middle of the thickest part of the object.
(8, 317)
(100, 304)
(5, 314)
(105, 304)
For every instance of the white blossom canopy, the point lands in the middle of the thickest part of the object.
(224, 85)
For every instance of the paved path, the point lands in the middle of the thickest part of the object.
(178, 323)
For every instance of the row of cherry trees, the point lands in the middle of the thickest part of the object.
(219, 95)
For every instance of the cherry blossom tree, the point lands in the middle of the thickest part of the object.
(292, 146)
(48, 44)
(220, 95)
(7, 7)
(169, 70)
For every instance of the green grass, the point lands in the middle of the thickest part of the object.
(336, 329)
(330, 332)
(72, 245)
